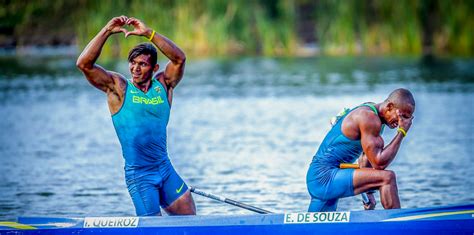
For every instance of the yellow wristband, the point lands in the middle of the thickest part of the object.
(401, 130)
(152, 35)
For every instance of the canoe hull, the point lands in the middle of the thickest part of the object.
(439, 220)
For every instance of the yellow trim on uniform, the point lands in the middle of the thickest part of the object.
(16, 225)
(415, 217)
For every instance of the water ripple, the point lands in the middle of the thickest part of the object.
(245, 129)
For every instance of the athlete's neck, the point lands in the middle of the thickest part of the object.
(143, 86)
(381, 109)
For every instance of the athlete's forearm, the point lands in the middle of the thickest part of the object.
(167, 47)
(92, 51)
(388, 153)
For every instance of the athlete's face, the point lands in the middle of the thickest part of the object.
(141, 68)
(391, 116)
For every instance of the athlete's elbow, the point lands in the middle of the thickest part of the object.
(380, 165)
(181, 60)
(82, 65)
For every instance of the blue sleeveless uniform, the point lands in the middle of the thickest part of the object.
(140, 125)
(326, 182)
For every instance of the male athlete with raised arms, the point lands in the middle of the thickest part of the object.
(355, 132)
(140, 109)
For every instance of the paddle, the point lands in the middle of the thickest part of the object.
(230, 201)
(365, 198)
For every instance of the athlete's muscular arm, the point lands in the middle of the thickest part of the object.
(364, 161)
(175, 68)
(373, 144)
(96, 75)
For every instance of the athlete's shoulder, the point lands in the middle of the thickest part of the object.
(117, 76)
(368, 120)
(119, 82)
(366, 112)
(160, 77)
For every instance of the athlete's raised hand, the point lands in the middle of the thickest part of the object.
(139, 28)
(115, 25)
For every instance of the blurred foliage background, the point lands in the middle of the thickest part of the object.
(204, 28)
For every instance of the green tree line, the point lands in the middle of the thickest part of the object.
(255, 27)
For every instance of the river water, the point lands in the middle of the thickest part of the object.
(245, 128)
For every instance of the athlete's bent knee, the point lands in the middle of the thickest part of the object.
(389, 177)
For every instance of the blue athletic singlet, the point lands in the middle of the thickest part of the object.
(140, 125)
(325, 180)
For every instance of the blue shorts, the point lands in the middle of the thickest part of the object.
(154, 189)
(324, 196)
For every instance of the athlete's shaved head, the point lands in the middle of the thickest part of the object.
(401, 97)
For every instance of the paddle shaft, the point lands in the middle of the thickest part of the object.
(230, 201)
